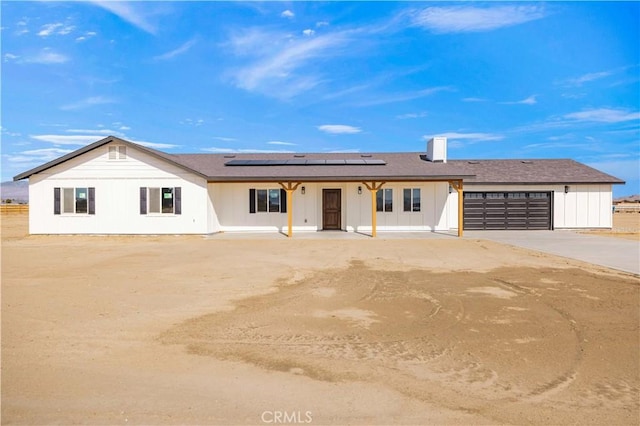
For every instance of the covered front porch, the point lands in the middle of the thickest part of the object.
(363, 207)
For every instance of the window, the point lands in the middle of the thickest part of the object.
(384, 200)
(161, 200)
(74, 200)
(411, 197)
(474, 195)
(267, 201)
(117, 152)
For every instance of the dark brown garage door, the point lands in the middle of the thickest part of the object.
(507, 210)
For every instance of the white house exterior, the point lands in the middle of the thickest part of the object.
(116, 187)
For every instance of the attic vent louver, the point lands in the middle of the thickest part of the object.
(229, 156)
(298, 155)
(527, 162)
(473, 162)
(366, 155)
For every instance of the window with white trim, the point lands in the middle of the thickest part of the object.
(161, 200)
(384, 200)
(411, 199)
(77, 200)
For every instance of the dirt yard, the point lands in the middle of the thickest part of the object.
(191, 330)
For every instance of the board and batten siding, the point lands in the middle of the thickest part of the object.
(117, 185)
(230, 202)
(584, 206)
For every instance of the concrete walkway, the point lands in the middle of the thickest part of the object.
(616, 253)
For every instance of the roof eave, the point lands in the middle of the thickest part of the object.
(617, 182)
(247, 179)
(98, 144)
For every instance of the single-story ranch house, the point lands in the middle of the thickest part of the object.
(114, 186)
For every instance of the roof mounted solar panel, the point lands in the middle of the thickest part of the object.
(296, 162)
(304, 162)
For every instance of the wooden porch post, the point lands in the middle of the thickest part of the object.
(373, 188)
(290, 188)
(457, 185)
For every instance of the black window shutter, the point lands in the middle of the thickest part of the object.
(56, 200)
(252, 200)
(143, 200)
(177, 206)
(92, 201)
(283, 201)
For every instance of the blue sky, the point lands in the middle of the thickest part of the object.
(500, 80)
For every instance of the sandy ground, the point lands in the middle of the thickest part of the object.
(190, 330)
(625, 225)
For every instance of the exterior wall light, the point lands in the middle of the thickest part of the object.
(566, 189)
(359, 190)
(303, 190)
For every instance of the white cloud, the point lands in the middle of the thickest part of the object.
(474, 100)
(474, 137)
(273, 67)
(10, 57)
(457, 19)
(105, 132)
(402, 97)
(579, 81)
(531, 100)
(47, 57)
(154, 145)
(88, 102)
(87, 35)
(36, 156)
(308, 32)
(411, 115)
(281, 143)
(21, 27)
(223, 139)
(125, 128)
(336, 129)
(287, 14)
(49, 29)
(604, 115)
(57, 28)
(66, 139)
(191, 122)
(321, 24)
(129, 12)
(176, 52)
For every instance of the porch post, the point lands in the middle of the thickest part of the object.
(290, 188)
(373, 188)
(457, 185)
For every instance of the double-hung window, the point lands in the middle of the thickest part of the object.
(77, 200)
(384, 200)
(411, 198)
(162, 200)
(267, 201)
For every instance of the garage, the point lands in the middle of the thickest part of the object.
(507, 210)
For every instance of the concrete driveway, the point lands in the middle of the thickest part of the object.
(616, 253)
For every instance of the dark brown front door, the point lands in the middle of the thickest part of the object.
(331, 209)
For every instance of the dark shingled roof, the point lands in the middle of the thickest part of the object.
(398, 167)
(532, 171)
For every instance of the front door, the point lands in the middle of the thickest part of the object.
(331, 209)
